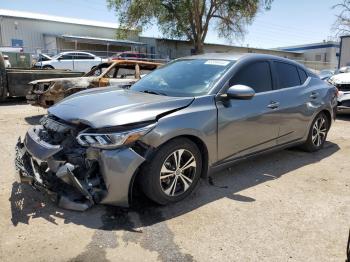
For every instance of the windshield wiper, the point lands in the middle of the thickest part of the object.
(153, 92)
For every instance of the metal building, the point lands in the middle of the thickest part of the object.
(52, 34)
(324, 54)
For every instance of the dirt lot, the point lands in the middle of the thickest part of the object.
(288, 206)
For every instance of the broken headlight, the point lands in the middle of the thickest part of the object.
(113, 139)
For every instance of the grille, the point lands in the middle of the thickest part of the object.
(345, 87)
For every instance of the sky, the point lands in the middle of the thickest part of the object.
(289, 22)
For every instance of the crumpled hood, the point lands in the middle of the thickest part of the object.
(343, 78)
(104, 107)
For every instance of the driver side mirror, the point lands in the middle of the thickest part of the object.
(59, 59)
(241, 92)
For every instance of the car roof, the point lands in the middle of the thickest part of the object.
(223, 56)
(140, 62)
(239, 56)
(76, 52)
(244, 56)
(132, 62)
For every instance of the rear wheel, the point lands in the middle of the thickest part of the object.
(318, 133)
(173, 172)
(3, 94)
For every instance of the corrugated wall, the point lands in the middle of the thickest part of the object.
(32, 31)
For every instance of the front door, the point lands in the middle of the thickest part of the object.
(65, 61)
(249, 126)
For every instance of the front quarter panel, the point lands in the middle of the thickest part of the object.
(198, 120)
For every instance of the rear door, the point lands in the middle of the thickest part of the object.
(84, 62)
(294, 98)
(249, 126)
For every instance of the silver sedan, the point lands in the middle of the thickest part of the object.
(178, 124)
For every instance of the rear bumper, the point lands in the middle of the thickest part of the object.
(38, 165)
(344, 103)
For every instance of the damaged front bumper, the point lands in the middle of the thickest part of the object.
(79, 179)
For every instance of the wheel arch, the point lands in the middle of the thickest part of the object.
(198, 142)
(328, 115)
(204, 152)
(48, 66)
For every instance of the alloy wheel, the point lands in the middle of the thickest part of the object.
(319, 131)
(177, 172)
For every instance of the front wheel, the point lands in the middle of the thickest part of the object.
(173, 172)
(317, 133)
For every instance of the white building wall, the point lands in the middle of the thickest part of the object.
(32, 31)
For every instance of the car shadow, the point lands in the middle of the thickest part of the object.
(28, 204)
(13, 101)
(345, 117)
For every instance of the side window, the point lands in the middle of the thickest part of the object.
(100, 70)
(83, 56)
(125, 73)
(287, 74)
(66, 57)
(302, 74)
(256, 76)
(111, 73)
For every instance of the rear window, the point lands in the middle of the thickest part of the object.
(287, 74)
(83, 56)
(302, 74)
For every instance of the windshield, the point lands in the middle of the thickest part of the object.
(183, 77)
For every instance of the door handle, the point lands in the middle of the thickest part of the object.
(313, 95)
(273, 105)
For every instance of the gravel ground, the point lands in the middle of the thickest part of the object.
(286, 206)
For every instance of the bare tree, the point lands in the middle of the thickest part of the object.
(342, 23)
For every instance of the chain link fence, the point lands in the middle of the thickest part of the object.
(28, 59)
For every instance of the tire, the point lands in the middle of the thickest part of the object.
(48, 67)
(3, 88)
(163, 163)
(3, 94)
(316, 139)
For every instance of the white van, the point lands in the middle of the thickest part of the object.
(75, 61)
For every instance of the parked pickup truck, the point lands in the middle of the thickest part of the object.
(14, 81)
